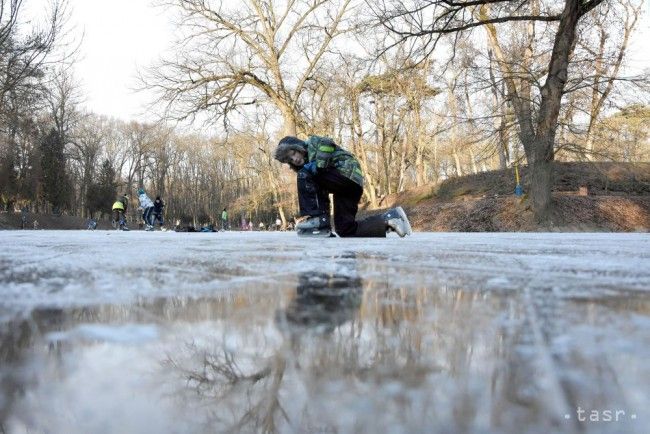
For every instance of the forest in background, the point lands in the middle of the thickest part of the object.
(421, 91)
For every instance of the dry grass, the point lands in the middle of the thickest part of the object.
(510, 214)
(618, 200)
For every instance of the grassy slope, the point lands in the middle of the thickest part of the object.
(618, 200)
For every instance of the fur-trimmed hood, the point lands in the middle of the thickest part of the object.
(289, 143)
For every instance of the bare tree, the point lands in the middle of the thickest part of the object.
(257, 51)
(63, 98)
(349, 84)
(537, 128)
(87, 140)
(24, 55)
(611, 28)
(163, 156)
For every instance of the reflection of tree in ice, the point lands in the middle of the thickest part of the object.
(246, 390)
(244, 399)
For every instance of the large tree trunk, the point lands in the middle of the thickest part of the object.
(541, 181)
(539, 139)
(290, 127)
(543, 145)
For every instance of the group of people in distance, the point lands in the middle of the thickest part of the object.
(322, 168)
(152, 211)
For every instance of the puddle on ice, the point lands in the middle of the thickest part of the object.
(343, 342)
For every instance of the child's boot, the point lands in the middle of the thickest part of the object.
(314, 225)
(397, 221)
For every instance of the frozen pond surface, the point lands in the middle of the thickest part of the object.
(137, 332)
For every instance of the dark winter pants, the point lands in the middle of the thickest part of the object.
(147, 216)
(157, 217)
(118, 216)
(313, 200)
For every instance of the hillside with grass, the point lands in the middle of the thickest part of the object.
(586, 197)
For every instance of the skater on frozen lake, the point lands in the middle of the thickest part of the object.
(119, 212)
(146, 204)
(322, 168)
(91, 224)
(157, 216)
(224, 219)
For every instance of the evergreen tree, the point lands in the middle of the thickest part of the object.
(7, 181)
(101, 194)
(55, 184)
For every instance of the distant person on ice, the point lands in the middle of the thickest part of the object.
(323, 167)
(147, 209)
(224, 220)
(23, 217)
(157, 216)
(119, 212)
(91, 224)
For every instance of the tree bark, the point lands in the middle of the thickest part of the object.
(543, 145)
(538, 138)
